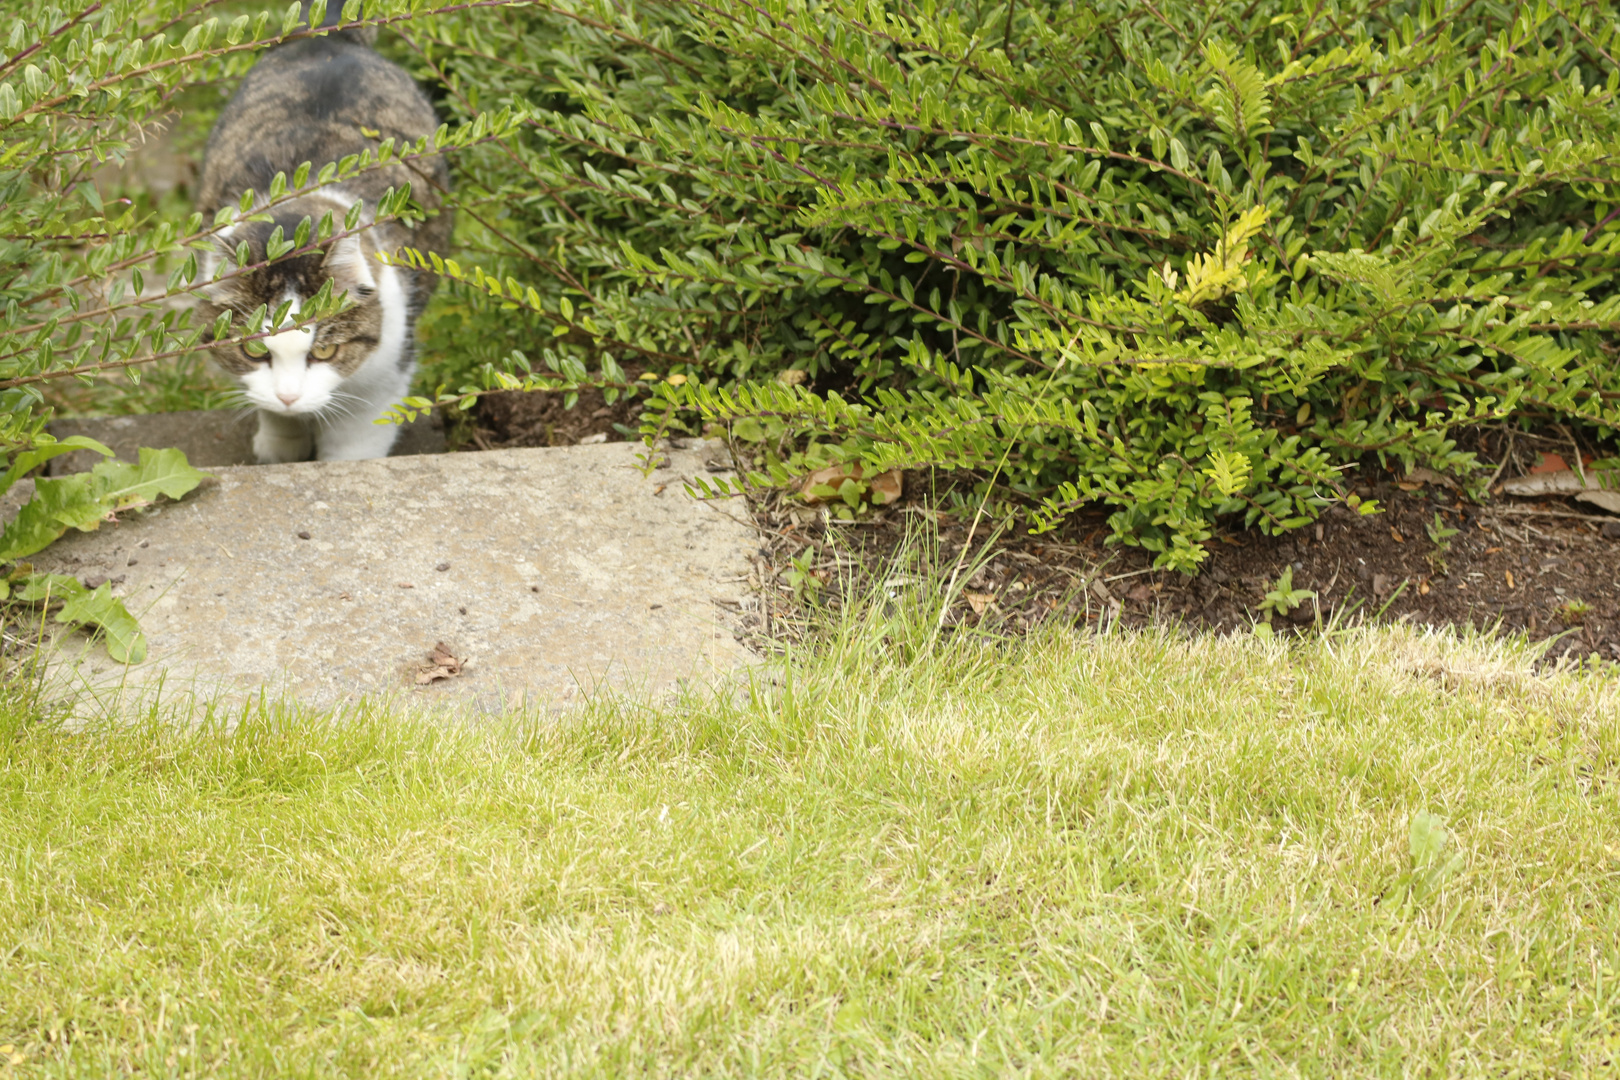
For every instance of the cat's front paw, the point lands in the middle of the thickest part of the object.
(274, 445)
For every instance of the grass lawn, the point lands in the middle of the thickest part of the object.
(1117, 856)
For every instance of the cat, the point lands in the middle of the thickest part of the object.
(320, 387)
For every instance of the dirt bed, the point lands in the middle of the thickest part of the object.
(512, 419)
(1548, 567)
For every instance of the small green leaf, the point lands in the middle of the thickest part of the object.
(40, 520)
(100, 608)
(1178, 155)
(1426, 839)
(84, 500)
(37, 587)
(294, 16)
(29, 460)
(160, 472)
(277, 245)
(1435, 855)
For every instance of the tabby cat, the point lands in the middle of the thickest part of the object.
(319, 387)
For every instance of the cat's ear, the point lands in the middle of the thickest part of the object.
(348, 264)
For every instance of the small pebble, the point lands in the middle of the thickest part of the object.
(462, 610)
(303, 534)
(1611, 530)
(143, 543)
(132, 562)
(534, 588)
(442, 567)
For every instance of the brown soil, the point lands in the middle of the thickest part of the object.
(1549, 568)
(510, 418)
(1546, 568)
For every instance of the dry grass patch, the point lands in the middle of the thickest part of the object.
(1112, 856)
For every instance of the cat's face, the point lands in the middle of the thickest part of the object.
(298, 371)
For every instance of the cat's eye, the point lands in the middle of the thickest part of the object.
(323, 352)
(256, 349)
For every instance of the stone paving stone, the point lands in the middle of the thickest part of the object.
(549, 571)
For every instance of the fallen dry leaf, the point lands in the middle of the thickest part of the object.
(1416, 478)
(1548, 463)
(1547, 482)
(441, 664)
(979, 602)
(1395, 535)
(888, 484)
(1566, 482)
(1603, 500)
(832, 475)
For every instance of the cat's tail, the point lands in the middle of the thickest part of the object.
(360, 35)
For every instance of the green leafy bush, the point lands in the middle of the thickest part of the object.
(1185, 259)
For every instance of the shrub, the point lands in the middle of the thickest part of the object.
(1186, 259)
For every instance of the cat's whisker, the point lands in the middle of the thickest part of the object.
(341, 402)
(328, 413)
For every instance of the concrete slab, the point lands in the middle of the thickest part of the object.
(548, 571)
(209, 437)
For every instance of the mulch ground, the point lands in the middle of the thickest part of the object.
(510, 418)
(1547, 567)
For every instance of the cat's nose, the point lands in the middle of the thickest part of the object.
(287, 399)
